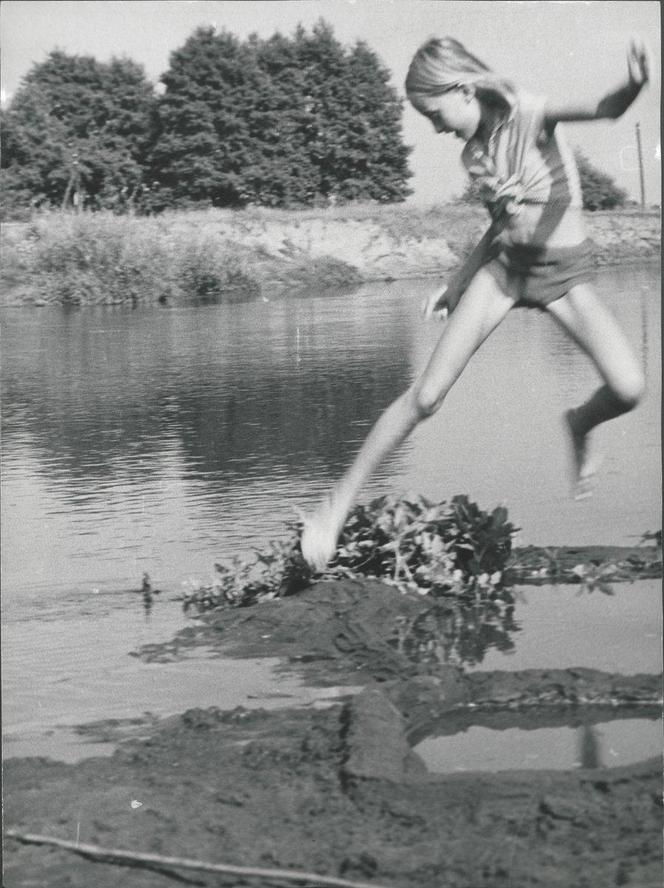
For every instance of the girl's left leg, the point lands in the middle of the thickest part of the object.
(592, 326)
(480, 310)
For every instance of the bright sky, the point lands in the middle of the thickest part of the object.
(566, 50)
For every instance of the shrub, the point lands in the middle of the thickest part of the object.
(445, 549)
(599, 190)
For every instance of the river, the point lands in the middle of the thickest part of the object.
(162, 440)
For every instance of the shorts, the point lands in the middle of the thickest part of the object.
(537, 276)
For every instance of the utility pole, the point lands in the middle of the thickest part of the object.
(640, 155)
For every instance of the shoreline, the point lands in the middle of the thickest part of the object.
(220, 256)
(338, 789)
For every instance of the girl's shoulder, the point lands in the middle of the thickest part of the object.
(528, 118)
(527, 105)
(525, 114)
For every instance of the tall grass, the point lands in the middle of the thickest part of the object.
(100, 258)
(105, 259)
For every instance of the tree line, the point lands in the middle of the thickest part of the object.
(281, 122)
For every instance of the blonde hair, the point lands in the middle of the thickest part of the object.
(442, 64)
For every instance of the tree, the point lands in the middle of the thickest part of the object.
(599, 190)
(277, 122)
(78, 127)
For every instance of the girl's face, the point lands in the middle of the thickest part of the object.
(456, 111)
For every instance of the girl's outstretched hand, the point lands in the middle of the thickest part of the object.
(638, 61)
(440, 303)
(434, 304)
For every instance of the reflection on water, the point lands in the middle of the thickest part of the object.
(559, 626)
(167, 439)
(163, 440)
(604, 745)
(541, 627)
(458, 633)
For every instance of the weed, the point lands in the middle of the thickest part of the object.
(445, 549)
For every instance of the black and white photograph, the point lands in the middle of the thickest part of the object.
(330, 453)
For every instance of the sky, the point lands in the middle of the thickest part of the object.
(565, 50)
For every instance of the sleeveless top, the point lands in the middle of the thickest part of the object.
(525, 162)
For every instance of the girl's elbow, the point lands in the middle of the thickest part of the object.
(608, 110)
(616, 113)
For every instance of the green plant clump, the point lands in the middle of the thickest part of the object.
(444, 549)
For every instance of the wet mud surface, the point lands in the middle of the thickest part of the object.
(338, 790)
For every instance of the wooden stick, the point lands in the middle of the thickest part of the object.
(129, 858)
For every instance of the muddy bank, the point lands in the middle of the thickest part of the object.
(353, 631)
(340, 791)
(335, 792)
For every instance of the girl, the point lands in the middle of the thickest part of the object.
(534, 254)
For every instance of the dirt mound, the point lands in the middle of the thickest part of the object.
(338, 630)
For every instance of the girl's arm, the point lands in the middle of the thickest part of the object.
(446, 299)
(614, 103)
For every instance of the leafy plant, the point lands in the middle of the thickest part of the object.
(443, 549)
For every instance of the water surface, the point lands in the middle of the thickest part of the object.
(165, 439)
(607, 744)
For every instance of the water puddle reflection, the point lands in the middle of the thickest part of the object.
(604, 745)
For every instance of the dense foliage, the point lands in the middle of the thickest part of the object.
(77, 132)
(437, 549)
(282, 122)
(278, 122)
(599, 190)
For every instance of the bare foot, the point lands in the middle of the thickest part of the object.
(319, 536)
(586, 464)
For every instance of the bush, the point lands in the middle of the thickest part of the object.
(104, 259)
(599, 190)
(444, 549)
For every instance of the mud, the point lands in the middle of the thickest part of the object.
(339, 790)
(336, 792)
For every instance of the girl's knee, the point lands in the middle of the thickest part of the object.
(631, 388)
(426, 398)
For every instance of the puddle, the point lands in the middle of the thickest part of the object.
(562, 626)
(606, 744)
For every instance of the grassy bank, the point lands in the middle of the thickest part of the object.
(227, 256)
(106, 259)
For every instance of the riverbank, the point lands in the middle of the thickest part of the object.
(340, 790)
(225, 256)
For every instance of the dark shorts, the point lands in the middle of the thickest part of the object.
(537, 276)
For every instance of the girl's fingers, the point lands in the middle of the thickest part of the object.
(638, 60)
(429, 304)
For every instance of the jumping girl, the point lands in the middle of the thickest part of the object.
(534, 254)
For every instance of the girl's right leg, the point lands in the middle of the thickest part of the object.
(592, 326)
(482, 307)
